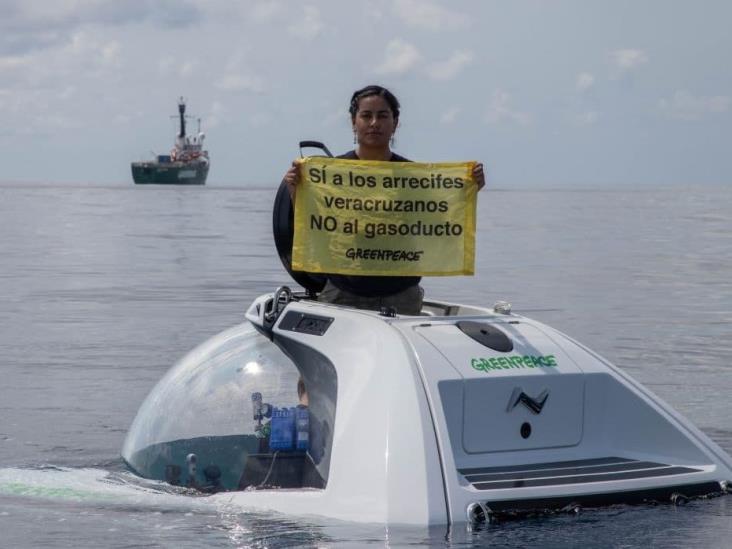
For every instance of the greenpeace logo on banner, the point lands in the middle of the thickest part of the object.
(513, 362)
(384, 255)
(385, 218)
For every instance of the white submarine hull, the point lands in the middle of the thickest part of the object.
(432, 425)
(458, 415)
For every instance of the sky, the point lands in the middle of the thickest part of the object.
(547, 94)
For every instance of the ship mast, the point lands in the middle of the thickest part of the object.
(182, 114)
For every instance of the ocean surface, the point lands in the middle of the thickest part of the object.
(103, 288)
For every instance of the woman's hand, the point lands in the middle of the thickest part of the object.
(292, 178)
(478, 175)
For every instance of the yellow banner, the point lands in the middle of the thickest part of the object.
(363, 217)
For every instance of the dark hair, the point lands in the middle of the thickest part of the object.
(369, 91)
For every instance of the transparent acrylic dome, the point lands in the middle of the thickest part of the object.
(207, 423)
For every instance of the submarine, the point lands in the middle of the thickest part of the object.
(462, 414)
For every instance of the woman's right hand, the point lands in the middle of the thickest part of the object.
(292, 178)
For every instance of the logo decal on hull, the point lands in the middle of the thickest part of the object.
(513, 362)
(533, 404)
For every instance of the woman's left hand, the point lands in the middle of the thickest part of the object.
(478, 175)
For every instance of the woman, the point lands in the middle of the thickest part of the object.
(374, 117)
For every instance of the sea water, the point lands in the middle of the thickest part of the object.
(103, 288)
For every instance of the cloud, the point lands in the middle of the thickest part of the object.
(586, 118)
(91, 48)
(428, 16)
(110, 53)
(309, 26)
(373, 9)
(684, 106)
(186, 69)
(584, 81)
(629, 59)
(449, 69)
(170, 64)
(12, 64)
(265, 12)
(238, 75)
(241, 82)
(401, 57)
(163, 13)
(48, 91)
(500, 109)
(260, 120)
(29, 26)
(85, 55)
(215, 114)
(450, 115)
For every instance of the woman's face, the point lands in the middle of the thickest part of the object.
(374, 123)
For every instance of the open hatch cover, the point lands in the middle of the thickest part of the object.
(283, 230)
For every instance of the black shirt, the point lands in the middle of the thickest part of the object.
(373, 286)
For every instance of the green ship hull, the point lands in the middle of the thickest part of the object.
(172, 173)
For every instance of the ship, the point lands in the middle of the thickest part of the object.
(187, 163)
